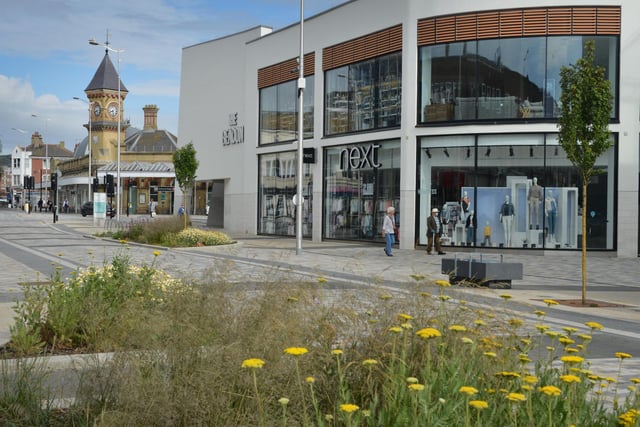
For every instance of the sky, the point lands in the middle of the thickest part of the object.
(46, 59)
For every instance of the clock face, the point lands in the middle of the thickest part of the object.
(96, 110)
(113, 110)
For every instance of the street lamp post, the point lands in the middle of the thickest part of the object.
(90, 142)
(301, 87)
(93, 42)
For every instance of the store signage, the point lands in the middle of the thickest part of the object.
(360, 157)
(234, 134)
(308, 155)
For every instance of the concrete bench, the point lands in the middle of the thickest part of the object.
(483, 271)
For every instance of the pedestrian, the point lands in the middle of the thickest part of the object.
(434, 231)
(181, 210)
(49, 205)
(389, 230)
(40, 203)
(65, 206)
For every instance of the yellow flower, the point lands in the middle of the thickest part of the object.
(468, 390)
(552, 334)
(550, 302)
(417, 277)
(444, 297)
(572, 359)
(443, 283)
(508, 374)
(527, 387)
(516, 397)
(569, 330)
(385, 297)
(523, 358)
(457, 328)
(585, 337)
(542, 328)
(416, 387)
(565, 340)
(539, 313)
(369, 362)
(349, 407)
(635, 380)
(412, 380)
(621, 355)
(395, 329)
(406, 325)
(480, 322)
(253, 363)
(156, 253)
(506, 296)
(336, 352)
(479, 404)
(570, 378)
(404, 317)
(594, 325)
(490, 354)
(428, 333)
(283, 401)
(296, 351)
(321, 280)
(530, 379)
(310, 380)
(467, 340)
(516, 322)
(550, 390)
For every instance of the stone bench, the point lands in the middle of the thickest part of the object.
(482, 271)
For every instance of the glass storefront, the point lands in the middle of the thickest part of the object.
(503, 79)
(514, 190)
(363, 96)
(276, 188)
(360, 182)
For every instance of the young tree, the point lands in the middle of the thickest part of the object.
(185, 165)
(586, 101)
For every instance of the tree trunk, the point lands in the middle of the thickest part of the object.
(584, 240)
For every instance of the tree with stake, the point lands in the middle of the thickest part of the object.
(584, 135)
(186, 165)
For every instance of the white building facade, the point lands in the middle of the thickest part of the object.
(417, 105)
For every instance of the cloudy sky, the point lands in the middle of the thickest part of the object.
(46, 60)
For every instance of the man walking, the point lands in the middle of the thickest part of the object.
(434, 231)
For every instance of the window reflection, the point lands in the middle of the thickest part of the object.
(505, 79)
(363, 96)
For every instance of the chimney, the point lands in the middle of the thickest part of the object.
(150, 117)
(36, 139)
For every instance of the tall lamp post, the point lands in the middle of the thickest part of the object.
(93, 42)
(89, 143)
(301, 86)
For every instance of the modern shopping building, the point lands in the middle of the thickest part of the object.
(417, 105)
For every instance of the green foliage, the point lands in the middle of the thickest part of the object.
(194, 237)
(185, 165)
(586, 101)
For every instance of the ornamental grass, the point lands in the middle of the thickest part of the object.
(291, 353)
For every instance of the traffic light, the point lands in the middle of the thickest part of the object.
(54, 181)
(29, 183)
(110, 189)
(96, 182)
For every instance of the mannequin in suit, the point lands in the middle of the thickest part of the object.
(507, 211)
(472, 226)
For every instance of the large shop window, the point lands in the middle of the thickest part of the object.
(279, 112)
(364, 96)
(503, 79)
(361, 182)
(277, 186)
(513, 191)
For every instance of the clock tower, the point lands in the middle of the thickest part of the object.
(106, 111)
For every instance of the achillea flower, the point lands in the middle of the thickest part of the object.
(516, 322)
(385, 297)
(542, 328)
(479, 322)
(443, 283)
(508, 374)
(570, 379)
(506, 296)
(635, 380)
(539, 313)
(530, 379)
(620, 355)
(349, 407)
(468, 390)
(321, 280)
(516, 397)
(458, 328)
(466, 340)
(552, 334)
(406, 325)
(550, 390)
(405, 317)
(565, 340)
(479, 404)
(412, 380)
(156, 253)
(523, 358)
(253, 363)
(336, 352)
(283, 401)
(570, 330)
(526, 387)
(550, 302)
(594, 325)
(369, 362)
(296, 351)
(395, 329)
(490, 354)
(428, 333)
(585, 337)
(572, 359)
(416, 387)
(310, 380)
(444, 297)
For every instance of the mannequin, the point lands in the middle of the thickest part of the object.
(534, 198)
(487, 234)
(507, 212)
(472, 225)
(551, 211)
(465, 202)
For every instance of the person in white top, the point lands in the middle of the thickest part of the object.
(389, 230)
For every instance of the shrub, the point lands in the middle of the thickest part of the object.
(194, 237)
